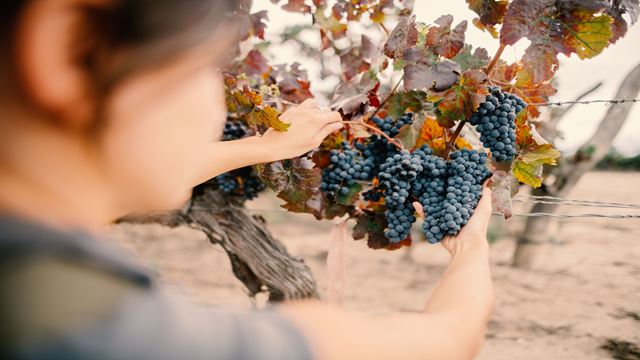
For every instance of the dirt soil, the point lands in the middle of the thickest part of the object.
(584, 297)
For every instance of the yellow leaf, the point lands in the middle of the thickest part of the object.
(529, 174)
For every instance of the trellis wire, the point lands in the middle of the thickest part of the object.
(587, 102)
(607, 102)
(551, 200)
(537, 214)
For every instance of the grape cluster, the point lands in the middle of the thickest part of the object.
(494, 120)
(346, 167)
(395, 176)
(449, 190)
(243, 182)
(234, 130)
(390, 126)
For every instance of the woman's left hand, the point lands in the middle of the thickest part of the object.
(309, 125)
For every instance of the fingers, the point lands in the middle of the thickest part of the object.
(419, 209)
(308, 104)
(483, 210)
(327, 130)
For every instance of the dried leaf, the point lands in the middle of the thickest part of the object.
(501, 193)
(402, 37)
(490, 12)
(443, 40)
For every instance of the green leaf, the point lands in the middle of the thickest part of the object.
(351, 197)
(589, 35)
(476, 60)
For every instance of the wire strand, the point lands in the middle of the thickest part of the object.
(587, 102)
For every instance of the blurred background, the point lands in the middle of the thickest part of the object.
(581, 301)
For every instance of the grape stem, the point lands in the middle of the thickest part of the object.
(384, 28)
(495, 59)
(374, 129)
(452, 141)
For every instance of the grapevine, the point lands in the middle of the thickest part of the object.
(409, 145)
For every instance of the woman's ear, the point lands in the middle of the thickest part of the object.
(51, 76)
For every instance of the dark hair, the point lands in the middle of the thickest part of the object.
(151, 31)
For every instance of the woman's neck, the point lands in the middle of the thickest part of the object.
(61, 187)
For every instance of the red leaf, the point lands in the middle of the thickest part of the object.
(255, 64)
(445, 41)
(297, 6)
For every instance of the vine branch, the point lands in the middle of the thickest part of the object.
(386, 100)
(391, 140)
(495, 59)
(452, 141)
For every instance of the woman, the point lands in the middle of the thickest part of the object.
(111, 107)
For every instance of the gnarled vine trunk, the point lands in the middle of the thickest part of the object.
(258, 260)
(567, 175)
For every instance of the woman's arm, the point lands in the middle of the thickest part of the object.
(309, 125)
(452, 326)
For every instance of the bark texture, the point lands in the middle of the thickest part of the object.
(258, 260)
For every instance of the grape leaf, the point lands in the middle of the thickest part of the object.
(295, 181)
(402, 37)
(403, 101)
(443, 40)
(618, 9)
(462, 99)
(296, 6)
(531, 92)
(530, 174)
(293, 82)
(476, 60)
(526, 19)
(329, 24)
(438, 76)
(589, 34)
(501, 192)
(490, 12)
(540, 154)
(540, 62)
(351, 95)
(371, 225)
(351, 197)
(252, 24)
(268, 117)
(255, 64)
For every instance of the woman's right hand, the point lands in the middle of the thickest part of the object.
(308, 123)
(475, 231)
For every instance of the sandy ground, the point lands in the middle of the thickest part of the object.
(587, 291)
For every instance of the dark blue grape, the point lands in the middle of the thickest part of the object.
(494, 120)
(346, 167)
(244, 182)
